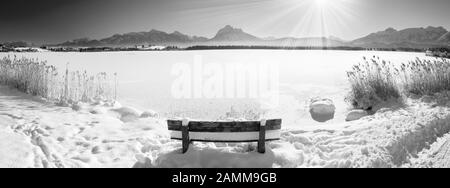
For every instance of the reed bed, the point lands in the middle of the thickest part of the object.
(426, 77)
(376, 81)
(372, 82)
(37, 78)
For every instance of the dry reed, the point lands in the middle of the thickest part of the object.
(37, 78)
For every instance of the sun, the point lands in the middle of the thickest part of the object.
(316, 18)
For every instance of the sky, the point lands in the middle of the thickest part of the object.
(55, 21)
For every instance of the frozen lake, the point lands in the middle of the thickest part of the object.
(146, 79)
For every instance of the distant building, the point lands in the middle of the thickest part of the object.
(150, 47)
(29, 49)
(23, 49)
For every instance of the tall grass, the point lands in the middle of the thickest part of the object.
(426, 77)
(37, 78)
(372, 82)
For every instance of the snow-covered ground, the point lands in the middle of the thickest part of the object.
(437, 156)
(36, 133)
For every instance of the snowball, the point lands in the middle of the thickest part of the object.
(322, 110)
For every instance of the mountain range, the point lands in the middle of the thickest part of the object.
(389, 38)
(407, 38)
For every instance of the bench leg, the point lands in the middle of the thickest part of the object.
(185, 136)
(186, 140)
(262, 137)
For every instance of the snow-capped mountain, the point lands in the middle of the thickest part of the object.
(229, 35)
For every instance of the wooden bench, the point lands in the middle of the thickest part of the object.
(225, 131)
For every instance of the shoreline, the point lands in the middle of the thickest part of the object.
(234, 48)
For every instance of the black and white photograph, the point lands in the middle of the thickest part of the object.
(225, 84)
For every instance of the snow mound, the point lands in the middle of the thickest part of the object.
(437, 156)
(356, 115)
(15, 150)
(127, 114)
(322, 110)
(79, 106)
(149, 114)
(98, 110)
(215, 156)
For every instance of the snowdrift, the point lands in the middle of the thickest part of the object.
(216, 156)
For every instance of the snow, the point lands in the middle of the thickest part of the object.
(15, 152)
(149, 113)
(322, 110)
(145, 79)
(355, 115)
(127, 114)
(36, 133)
(436, 156)
(47, 135)
(216, 156)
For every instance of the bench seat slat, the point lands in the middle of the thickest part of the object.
(227, 136)
(225, 126)
(226, 141)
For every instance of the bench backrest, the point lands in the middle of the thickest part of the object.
(226, 131)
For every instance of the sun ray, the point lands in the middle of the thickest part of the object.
(324, 18)
(299, 18)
